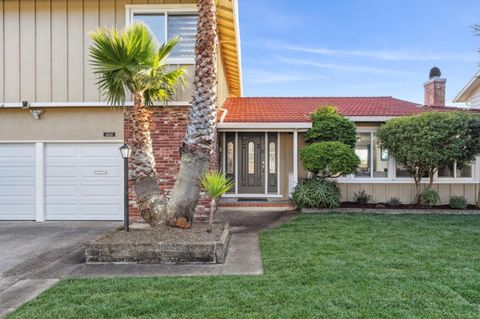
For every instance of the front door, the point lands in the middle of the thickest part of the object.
(252, 163)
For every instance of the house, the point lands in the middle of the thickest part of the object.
(470, 94)
(265, 134)
(59, 140)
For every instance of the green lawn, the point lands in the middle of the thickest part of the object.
(316, 266)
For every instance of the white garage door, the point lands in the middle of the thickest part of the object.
(17, 181)
(83, 182)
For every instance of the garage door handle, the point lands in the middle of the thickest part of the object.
(101, 173)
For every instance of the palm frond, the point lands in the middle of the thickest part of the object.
(216, 184)
(129, 61)
(162, 86)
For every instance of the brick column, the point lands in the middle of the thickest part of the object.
(168, 131)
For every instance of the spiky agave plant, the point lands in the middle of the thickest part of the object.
(215, 184)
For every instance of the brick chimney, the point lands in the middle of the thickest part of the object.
(435, 89)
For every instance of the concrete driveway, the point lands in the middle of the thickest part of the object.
(27, 248)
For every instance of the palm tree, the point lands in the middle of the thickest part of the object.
(129, 62)
(215, 184)
(200, 139)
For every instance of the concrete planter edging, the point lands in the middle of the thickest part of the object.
(213, 252)
(393, 211)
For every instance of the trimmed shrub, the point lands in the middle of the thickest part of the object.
(329, 126)
(316, 193)
(429, 197)
(394, 201)
(458, 202)
(329, 159)
(362, 197)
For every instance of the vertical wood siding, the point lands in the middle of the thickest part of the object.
(381, 193)
(44, 50)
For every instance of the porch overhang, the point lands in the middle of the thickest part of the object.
(290, 126)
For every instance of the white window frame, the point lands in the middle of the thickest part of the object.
(392, 171)
(164, 9)
(455, 178)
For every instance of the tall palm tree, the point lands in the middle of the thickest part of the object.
(129, 62)
(200, 139)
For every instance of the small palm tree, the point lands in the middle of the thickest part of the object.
(215, 184)
(130, 62)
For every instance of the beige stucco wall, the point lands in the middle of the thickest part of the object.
(61, 124)
(44, 51)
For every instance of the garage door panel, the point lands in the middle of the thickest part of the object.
(104, 209)
(54, 191)
(100, 191)
(17, 150)
(101, 172)
(17, 171)
(62, 172)
(100, 150)
(18, 191)
(87, 185)
(17, 181)
(62, 151)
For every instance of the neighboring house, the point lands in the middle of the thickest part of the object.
(64, 163)
(470, 94)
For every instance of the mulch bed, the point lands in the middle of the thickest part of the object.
(402, 206)
(161, 233)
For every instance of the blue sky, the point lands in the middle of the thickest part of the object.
(356, 47)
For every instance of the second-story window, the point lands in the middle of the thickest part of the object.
(166, 25)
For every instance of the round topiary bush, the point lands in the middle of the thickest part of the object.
(458, 202)
(429, 197)
(329, 159)
(316, 193)
(329, 126)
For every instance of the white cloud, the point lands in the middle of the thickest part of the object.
(389, 55)
(265, 77)
(342, 67)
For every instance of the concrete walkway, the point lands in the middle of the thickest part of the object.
(25, 275)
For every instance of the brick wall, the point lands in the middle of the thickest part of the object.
(435, 92)
(168, 130)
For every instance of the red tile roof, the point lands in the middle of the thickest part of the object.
(298, 109)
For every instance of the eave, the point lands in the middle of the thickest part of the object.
(229, 36)
(467, 91)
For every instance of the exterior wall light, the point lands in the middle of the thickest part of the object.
(126, 152)
(37, 113)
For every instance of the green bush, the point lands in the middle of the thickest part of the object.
(429, 197)
(394, 201)
(316, 193)
(329, 159)
(329, 126)
(362, 197)
(458, 202)
(422, 143)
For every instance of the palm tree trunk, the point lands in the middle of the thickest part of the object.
(142, 164)
(213, 208)
(200, 138)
